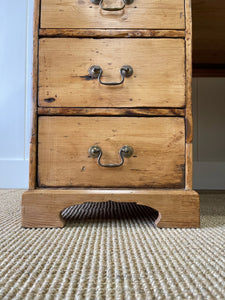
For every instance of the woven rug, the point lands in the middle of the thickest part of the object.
(112, 251)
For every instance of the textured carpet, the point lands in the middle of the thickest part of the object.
(99, 256)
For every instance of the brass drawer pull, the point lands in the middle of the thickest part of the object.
(96, 72)
(125, 151)
(100, 2)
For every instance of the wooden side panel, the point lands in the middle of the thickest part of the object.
(189, 167)
(154, 14)
(33, 141)
(189, 118)
(178, 208)
(157, 161)
(158, 78)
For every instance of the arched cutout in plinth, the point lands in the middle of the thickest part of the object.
(110, 210)
(43, 207)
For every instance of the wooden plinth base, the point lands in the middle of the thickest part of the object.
(177, 208)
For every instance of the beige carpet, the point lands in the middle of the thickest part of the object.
(98, 257)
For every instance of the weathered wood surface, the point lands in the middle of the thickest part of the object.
(178, 208)
(159, 143)
(189, 167)
(158, 158)
(166, 14)
(112, 33)
(189, 118)
(64, 111)
(33, 141)
(158, 78)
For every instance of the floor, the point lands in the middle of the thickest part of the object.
(112, 252)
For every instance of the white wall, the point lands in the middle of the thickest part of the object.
(15, 106)
(15, 91)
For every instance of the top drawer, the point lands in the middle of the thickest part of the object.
(140, 14)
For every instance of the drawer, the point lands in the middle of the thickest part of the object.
(150, 14)
(158, 78)
(157, 160)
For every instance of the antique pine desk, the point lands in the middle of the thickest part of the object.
(112, 113)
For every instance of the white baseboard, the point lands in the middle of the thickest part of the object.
(209, 175)
(14, 174)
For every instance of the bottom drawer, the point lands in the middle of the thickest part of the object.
(157, 160)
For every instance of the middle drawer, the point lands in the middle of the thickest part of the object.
(158, 78)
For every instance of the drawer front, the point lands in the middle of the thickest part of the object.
(150, 14)
(157, 161)
(158, 78)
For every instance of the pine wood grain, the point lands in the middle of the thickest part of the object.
(154, 14)
(64, 111)
(160, 85)
(178, 208)
(188, 39)
(158, 158)
(112, 33)
(33, 140)
(157, 81)
(189, 167)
